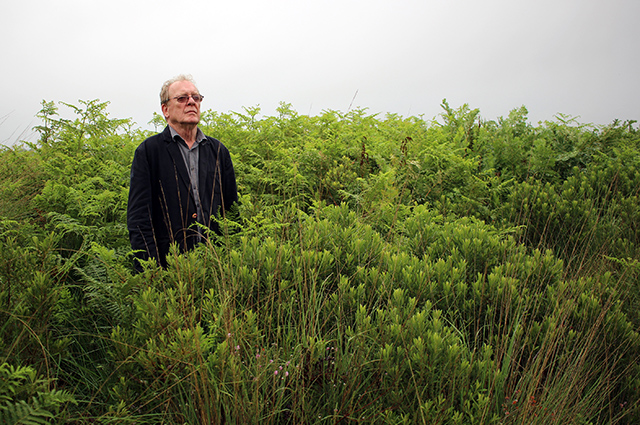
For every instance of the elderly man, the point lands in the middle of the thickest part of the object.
(180, 178)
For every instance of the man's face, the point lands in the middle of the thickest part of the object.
(180, 114)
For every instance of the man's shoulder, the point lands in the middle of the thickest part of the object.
(158, 139)
(215, 144)
(212, 140)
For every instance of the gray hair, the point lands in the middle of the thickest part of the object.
(164, 92)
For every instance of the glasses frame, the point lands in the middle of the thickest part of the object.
(185, 98)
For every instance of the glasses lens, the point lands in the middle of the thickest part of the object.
(185, 98)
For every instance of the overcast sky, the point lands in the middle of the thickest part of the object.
(577, 57)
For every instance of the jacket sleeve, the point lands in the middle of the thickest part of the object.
(139, 208)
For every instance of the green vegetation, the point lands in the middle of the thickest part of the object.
(378, 270)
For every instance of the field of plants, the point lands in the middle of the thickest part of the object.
(378, 270)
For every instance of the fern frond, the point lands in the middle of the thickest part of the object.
(24, 414)
(25, 399)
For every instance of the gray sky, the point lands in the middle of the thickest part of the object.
(553, 56)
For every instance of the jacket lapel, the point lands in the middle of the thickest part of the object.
(177, 158)
(207, 163)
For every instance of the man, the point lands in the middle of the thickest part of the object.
(180, 178)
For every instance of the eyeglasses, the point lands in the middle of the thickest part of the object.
(185, 98)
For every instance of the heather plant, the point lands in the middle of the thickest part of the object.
(21, 179)
(29, 298)
(581, 217)
(290, 332)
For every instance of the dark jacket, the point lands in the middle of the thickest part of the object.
(161, 208)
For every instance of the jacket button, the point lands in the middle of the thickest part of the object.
(195, 215)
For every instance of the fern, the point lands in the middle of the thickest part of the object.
(23, 413)
(106, 286)
(25, 399)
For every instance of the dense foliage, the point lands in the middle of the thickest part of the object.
(378, 270)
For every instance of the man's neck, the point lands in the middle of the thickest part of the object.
(187, 132)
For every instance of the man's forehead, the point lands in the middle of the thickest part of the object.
(183, 87)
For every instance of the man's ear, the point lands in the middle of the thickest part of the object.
(165, 111)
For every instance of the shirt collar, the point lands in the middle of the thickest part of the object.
(199, 135)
